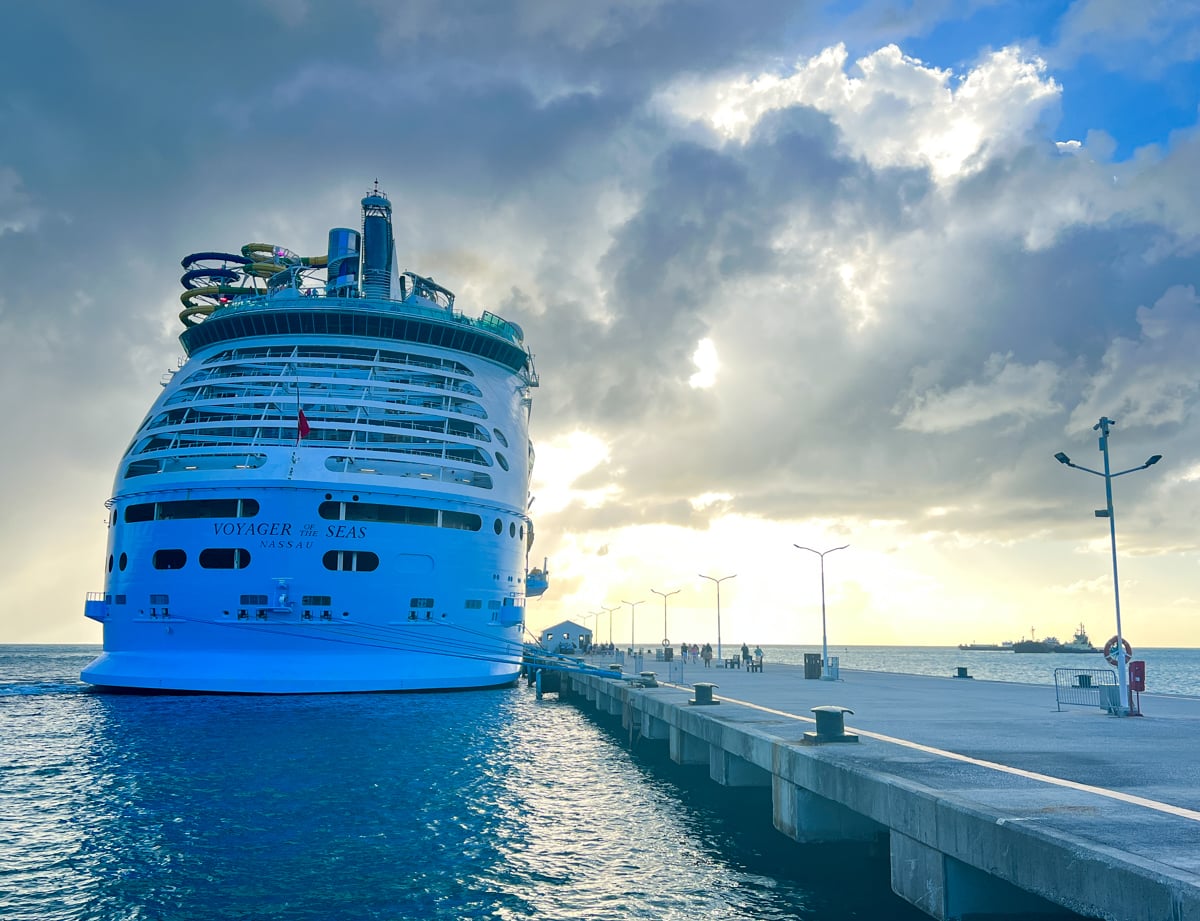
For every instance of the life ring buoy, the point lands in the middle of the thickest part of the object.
(1110, 650)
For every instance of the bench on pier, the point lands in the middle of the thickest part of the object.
(733, 662)
(755, 664)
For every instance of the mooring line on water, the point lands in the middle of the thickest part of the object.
(1129, 798)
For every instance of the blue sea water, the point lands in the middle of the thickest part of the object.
(1168, 671)
(376, 806)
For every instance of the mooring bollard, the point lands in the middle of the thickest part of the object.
(703, 696)
(831, 726)
(649, 680)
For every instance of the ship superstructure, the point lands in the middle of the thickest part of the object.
(331, 493)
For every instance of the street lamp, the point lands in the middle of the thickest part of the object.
(824, 636)
(1102, 426)
(718, 582)
(665, 596)
(632, 610)
(595, 615)
(610, 610)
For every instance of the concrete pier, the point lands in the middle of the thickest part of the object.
(990, 800)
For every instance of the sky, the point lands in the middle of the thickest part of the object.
(824, 274)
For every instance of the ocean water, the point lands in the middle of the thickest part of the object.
(1168, 671)
(377, 806)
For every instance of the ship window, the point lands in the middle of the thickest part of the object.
(192, 508)
(500, 437)
(474, 603)
(110, 562)
(374, 511)
(420, 602)
(462, 521)
(160, 599)
(142, 467)
(123, 561)
(253, 599)
(169, 559)
(512, 529)
(118, 599)
(502, 460)
(521, 532)
(224, 558)
(493, 604)
(350, 561)
(317, 600)
(498, 526)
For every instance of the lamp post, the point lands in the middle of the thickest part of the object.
(1107, 512)
(610, 610)
(632, 610)
(824, 636)
(718, 582)
(665, 596)
(595, 615)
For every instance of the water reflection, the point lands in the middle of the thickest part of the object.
(432, 806)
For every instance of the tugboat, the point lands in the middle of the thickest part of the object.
(1080, 643)
(1049, 644)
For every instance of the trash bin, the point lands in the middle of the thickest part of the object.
(668, 653)
(812, 665)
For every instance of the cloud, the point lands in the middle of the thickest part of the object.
(1150, 380)
(917, 290)
(1008, 390)
(1124, 34)
(898, 113)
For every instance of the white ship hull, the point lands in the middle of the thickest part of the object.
(307, 512)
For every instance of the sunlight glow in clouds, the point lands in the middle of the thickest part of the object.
(560, 463)
(707, 364)
(900, 112)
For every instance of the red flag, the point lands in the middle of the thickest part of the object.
(302, 426)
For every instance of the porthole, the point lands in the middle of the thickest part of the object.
(522, 532)
(110, 562)
(122, 562)
(499, 526)
(512, 529)
(500, 437)
(501, 460)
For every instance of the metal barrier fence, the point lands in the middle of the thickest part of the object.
(1087, 687)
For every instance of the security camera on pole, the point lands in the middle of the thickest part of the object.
(1122, 657)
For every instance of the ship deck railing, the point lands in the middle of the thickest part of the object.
(415, 306)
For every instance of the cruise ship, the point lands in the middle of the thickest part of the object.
(331, 493)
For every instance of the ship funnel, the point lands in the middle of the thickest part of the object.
(341, 276)
(377, 245)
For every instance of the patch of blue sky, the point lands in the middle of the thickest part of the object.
(1135, 104)
(1135, 111)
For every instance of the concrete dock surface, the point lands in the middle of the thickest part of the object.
(1107, 807)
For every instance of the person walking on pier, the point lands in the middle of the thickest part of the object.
(706, 654)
